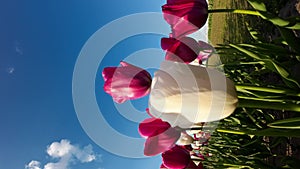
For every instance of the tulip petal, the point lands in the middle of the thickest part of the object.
(162, 166)
(176, 158)
(108, 73)
(161, 143)
(152, 126)
(167, 43)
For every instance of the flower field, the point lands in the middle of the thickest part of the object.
(260, 56)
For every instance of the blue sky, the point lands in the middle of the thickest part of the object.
(40, 42)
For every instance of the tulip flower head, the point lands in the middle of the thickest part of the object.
(176, 158)
(126, 82)
(185, 95)
(186, 49)
(185, 16)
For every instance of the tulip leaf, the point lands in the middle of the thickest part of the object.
(258, 5)
(291, 123)
(292, 23)
(271, 65)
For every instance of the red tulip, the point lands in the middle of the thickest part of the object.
(126, 82)
(152, 127)
(185, 49)
(185, 16)
(159, 134)
(176, 158)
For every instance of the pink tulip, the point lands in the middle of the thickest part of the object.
(176, 158)
(126, 82)
(160, 136)
(185, 16)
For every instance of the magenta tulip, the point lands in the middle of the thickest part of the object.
(185, 49)
(160, 136)
(152, 126)
(176, 158)
(185, 16)
(126, 82)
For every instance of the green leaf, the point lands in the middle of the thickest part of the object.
(291, 123)
(271, 65)
(292, 23)
(258, 5)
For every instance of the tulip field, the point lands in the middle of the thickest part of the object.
(263, 60)
(239, 111)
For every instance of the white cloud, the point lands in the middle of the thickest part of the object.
(33, 165)
(60, 149)
(10, 70)
(64, 154)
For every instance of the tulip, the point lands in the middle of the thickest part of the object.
(185, 16)
(160, 136)
(185, 95)
(126, 82)
(186, 49)
(176, 158)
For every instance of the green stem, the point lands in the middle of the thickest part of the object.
(262, 104)
(268, 90)
(240, 11)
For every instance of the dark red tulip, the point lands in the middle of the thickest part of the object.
(176, 158)
(126, 82)
(185, 16)
(185, 49)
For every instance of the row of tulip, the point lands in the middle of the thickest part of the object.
(181, 93)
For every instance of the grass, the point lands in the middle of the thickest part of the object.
(264, 150)
(225, 27)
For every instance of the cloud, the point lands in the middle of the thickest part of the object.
(64, 154)
(10, 70)
(33, 165)
(60, 149)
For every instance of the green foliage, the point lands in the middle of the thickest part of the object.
(267, 88)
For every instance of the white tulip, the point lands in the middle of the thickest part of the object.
(185, 95)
